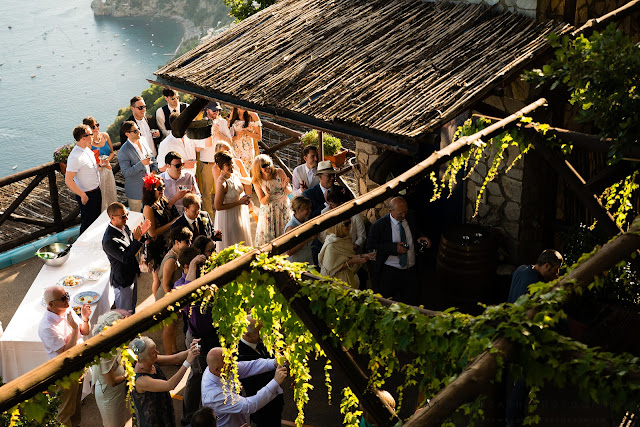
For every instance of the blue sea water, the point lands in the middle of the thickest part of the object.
(60, 63)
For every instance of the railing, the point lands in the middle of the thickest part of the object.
(40, 224)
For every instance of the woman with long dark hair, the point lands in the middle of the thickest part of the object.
(101, 145)
(246, 131)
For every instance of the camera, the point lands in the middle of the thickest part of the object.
(423, 246)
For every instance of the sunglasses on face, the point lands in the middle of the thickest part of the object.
(97, 125)
(347, 223)
(177, 165)
(63, 298)
(265, 165)
(134, 131)
(160, 188)
(87, 134)
(141, 107)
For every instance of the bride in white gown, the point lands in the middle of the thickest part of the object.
(230, 202)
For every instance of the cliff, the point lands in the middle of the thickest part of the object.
(196, 15)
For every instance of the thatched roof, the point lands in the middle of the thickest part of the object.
(386, 70)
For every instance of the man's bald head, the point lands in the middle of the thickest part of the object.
(253, 330)
(398, 208)
(215, 361)
(53, 299)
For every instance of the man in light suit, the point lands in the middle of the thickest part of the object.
(136, 161)
(395, 238)
(121, 247)
(147, 124)
(251, 347)
(199, 222)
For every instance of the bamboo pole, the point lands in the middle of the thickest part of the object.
(77, 357)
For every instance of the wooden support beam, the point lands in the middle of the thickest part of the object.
(481, 371)
(38, 170)
(77, 357)
(600, 23)
(575, 182)
(31, 221)
(281, 145)
(55, 200)
(282, 129)
(340, 359)
(609, 176)
(182, 122)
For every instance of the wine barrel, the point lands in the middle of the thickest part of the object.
(466, 265)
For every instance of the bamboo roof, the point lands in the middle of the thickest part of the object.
(386, 70)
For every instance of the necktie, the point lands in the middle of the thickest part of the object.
(403, 238)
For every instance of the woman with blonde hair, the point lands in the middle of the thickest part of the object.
(108, 378)
(272, 187)
(337, 258)
(230, 202)
(301, 207)
(151, 398)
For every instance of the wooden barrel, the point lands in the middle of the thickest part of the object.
(466, 264)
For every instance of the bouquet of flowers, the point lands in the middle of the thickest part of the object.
(62, 154)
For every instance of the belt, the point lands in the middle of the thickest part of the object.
(206, 163)
(91, 191)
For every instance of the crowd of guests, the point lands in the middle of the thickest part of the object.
(192, 208)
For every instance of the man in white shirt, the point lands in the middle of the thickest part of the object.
(83, 178)
(219, 132)
(146, 124)
(58, 331)
(177, 181)
(232, 409)
(163, 113)
(304, 176)
(184, 146)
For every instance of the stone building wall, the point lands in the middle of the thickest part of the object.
(523, 7)
(366, 154)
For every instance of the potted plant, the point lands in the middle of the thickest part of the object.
(61, 155)
(332, 146)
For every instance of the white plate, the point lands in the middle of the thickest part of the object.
(86, 297)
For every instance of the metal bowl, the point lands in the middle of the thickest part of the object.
(48, 254)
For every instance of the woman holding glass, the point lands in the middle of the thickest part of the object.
(246, 131)
(337, 258)
(272, 188)
(102, 143)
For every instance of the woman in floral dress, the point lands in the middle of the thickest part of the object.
(246, 131)
(272, 187)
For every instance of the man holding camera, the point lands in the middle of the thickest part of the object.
(396, 240)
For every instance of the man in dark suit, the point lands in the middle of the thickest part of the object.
(395, 239)
(251, 347)
(147, 124)
(327, 176)
(121, 246)
(199, 222)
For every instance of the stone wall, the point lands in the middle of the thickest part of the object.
(366, 154)
(523, 7)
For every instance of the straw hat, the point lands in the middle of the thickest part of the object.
(326, 167)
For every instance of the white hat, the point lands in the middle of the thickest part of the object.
(325, 166)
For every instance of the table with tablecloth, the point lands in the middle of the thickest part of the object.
(20, 345)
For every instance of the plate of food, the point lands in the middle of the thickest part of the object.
(86, 297)
(71, 281)
(94, 274)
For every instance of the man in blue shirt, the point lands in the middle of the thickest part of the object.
(544, 270)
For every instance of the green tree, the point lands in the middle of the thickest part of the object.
(241, 9)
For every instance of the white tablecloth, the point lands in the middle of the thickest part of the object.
(20, 345)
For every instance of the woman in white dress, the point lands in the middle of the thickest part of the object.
(108, 379)
(230, 202)
(246, 131)
(102, 144)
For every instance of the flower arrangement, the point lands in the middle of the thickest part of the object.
(62, 154)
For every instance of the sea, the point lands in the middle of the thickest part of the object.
(59, 63)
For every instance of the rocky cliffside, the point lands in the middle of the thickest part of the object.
(196, 15)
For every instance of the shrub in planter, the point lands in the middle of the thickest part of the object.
(62, 154)
(332, 145)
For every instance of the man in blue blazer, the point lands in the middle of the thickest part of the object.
(395, 238)
(121, 247)
(136, 161)
(327, 176)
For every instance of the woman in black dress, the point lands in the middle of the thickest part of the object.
(161, 213)
(151, 398)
